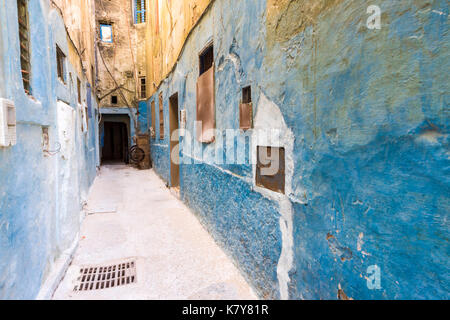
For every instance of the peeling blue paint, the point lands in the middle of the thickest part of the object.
(33, 228)
(143, 116)
(369, 112)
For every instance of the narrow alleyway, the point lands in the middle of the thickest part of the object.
(132, 215)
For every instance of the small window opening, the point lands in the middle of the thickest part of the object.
(206, 59)
(270, 168)
(45, 140)
(143, 88)
(92, 76)
(246, 109)
(161, 117)
(106, 33)
(113, 99)
(153, 132)
(79, 90)
(86, 117)
(247, 95)
(139, 11)
(24, 37)
(60, 58)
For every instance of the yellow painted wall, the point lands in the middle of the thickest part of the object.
(79, 19)
(168, 26)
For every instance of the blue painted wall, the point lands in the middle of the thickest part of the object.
(143, 116)
(120, 114)
(368, 110)
(34, 227)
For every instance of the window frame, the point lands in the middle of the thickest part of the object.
(161, 116)
(79, 90)
(153, 115)
(105, 25)
(60, 64)
(143, 87)
(139, 16)
(274, 182)
(24, 45)
(204, 63)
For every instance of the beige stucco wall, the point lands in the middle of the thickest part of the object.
(79, 19)
(168, 26)
(124, 57)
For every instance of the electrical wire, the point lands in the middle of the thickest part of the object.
(53, 152)
(118, 88)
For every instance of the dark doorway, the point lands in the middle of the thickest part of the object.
(115, 147)
(174, 142)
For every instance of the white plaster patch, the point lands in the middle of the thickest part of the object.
(438, 12)
(235, 60)
(67, 165)
(287, 253)
(360, 241)
(430, 136)
(270, 129)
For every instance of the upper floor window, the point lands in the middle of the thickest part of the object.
(60, 60)
(139, 11)
(143, 88)
(78, 90)
(106, 33)
(206, 59)
(24, 36)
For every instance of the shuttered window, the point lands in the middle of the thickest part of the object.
(24, 36)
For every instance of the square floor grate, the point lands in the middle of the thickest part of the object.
(109, 276)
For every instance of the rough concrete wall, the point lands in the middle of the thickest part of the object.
(33, 225)
(125, 57)
(364, 114)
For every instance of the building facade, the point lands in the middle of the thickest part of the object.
(122, 74)
(47, 71)
(353, 101)
(309, 137)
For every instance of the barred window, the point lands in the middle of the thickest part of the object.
(24, 36)
(139, 11)
(143, 88)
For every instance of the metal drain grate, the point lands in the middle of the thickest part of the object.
(102, 277)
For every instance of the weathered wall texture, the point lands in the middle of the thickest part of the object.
(364, 115)
(41, 194)
(169, 24)
(79, 17)
(124, 57)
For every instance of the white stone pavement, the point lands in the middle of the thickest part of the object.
(138, 217)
